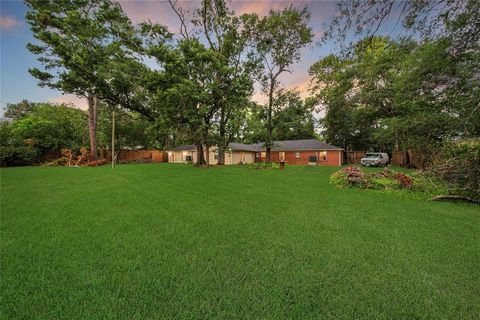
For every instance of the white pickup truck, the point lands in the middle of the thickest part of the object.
(375, 159)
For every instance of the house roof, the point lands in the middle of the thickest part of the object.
(242, 147)
(301, 145)
(188, 147)
(234, 146)
(288, 145)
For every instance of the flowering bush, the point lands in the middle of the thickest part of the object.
(387, 179)
(350, 176)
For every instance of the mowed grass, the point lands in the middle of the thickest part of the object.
(166, 241)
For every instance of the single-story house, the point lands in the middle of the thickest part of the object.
(236, 153)
(301, 152)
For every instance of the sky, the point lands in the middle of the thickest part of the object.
(15, 60)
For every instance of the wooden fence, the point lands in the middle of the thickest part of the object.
(354, 156)
(135, 156)
(408, 159)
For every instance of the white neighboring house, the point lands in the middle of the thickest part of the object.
(236, 153)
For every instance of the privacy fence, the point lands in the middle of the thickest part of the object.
(135, 156)
(398, 158)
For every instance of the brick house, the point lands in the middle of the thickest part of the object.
(303, 152)
(296, 152)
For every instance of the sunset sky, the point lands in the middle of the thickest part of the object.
(18, 84)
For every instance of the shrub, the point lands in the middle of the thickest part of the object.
(385, 180)
(350, 176)
(17, 155)
(429, 186)
(457, 165)
(264, 165)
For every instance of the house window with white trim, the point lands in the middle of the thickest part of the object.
(263, 154)
(297, 155)
(281, 156)
(323, 155)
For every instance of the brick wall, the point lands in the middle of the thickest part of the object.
(334, 157)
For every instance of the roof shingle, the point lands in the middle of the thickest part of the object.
(288, 145)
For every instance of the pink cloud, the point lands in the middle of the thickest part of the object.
(161, 12)
(8, 23)
(259, 7)
(70, 99)
(263, 7)
(299, 82)
(157, 12)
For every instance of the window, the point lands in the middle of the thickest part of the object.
(215, 155)
(263, 154)
(258, 155)
(281, 156)
(297, 155)
(323, 155)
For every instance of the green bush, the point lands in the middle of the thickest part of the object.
(457, 166)
(350, 176)
(385, 180)
(17, 155)
(429, 186)
(423, 184)
(264, 165)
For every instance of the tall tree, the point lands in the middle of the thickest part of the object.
(452, 25)
(76, 41)
(222, 32)
(278, 39)
(180, 89)
(427, 19)
(52, 127)
(293, 117)
(333, 80)
(389, 94)
(18, 110)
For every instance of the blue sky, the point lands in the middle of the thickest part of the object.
(15, 60)
(16, 82)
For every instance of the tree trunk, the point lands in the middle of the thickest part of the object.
(207, 155)
(200, 157)
(405, 156)
(92, 124)
(222, 144)
(221, 154)
(269, 121)
(455, 197)
(207, 147)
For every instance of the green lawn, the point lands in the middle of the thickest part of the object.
(172, 241)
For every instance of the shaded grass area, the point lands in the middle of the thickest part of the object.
(173, 241)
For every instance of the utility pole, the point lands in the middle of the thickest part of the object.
(113, 139)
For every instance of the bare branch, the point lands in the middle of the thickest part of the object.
(181, 16)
